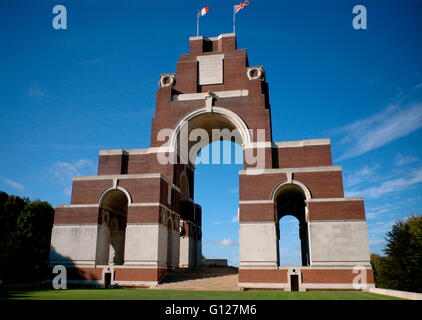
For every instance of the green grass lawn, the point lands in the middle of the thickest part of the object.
(146, 294)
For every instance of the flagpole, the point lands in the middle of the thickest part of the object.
(197, 24)
(234, 20)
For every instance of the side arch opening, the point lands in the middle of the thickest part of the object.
(290, 200)
(112, 221)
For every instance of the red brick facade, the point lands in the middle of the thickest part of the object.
(152, 187)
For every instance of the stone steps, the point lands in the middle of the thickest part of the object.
(201, 278)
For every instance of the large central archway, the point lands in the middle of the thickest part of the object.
(206, 131)
(208, 121)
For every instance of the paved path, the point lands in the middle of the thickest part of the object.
(201, 278)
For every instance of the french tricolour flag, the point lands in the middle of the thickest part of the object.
(203, 11)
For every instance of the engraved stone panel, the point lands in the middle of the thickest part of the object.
(339, 241)
(211, 69)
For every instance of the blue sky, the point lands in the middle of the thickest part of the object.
(66, 94)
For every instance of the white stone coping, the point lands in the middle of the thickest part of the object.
(216, 94)
(121, 176)
(96, 205)
(302, 143)
(222, 94)
(340, 264)
(303, 286)
(334, 199)
(113, 152)
(264, 285)
(310, 200)
(397, 293)
(336, 220)
(134, 283)
(223, 35)
(289, 170)
(255, 201)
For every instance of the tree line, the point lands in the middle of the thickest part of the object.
(25, 233)
(401, 266)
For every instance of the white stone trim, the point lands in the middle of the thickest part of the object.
(264, 285)
(86, 282)
(337, 220)
(113, 152)
(260, 145)
(172, 78)
(78, 206)
(258, 265)
(302, 286)
(73, 264)
(307, 286)
(216, 94)
(223, 35)
(115, 187)
(255, 201)
(260, 71)
(302, 143)
(122, 176)
(134, 283)
(146, 204)
(339, 264)
(257, 222)
(334, 199)
(233, 118)
(298, 183)
(290, 170)
(141, 264)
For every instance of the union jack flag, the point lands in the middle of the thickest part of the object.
(240, 6)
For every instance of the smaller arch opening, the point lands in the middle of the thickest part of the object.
(112, 221)
(290, 200)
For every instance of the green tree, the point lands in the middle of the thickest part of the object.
(401, 267)
(34, 227)
(11, 209)
(25, 232)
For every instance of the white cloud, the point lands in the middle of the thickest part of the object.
(372, 214)
(13, 184)
(226, 243)
(235, 219)
(93, 61)
(233, 190)
(381, 227)
(63, 172)
(380, 129)
(362, 175)
(394, 185)
(217, 222)
(402, 160)
(35, 92)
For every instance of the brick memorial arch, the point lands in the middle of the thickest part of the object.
(137, 220)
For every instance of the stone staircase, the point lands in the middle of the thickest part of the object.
(201, 278)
